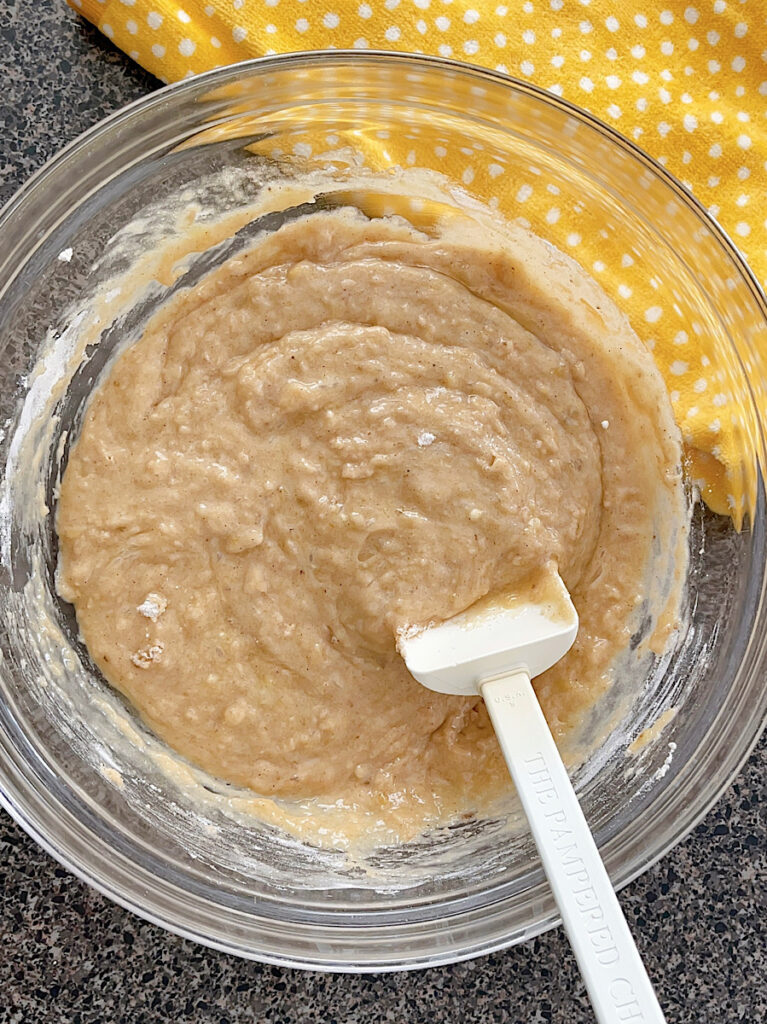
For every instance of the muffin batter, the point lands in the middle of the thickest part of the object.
(351, 428)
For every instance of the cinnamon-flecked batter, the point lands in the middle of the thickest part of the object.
(352, 428)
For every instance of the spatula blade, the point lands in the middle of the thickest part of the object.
(530, 632)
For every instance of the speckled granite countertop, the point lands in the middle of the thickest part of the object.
(71, 957)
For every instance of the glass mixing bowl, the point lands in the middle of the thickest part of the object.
(83, 776)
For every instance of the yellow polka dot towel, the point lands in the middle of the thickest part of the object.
(685, 79)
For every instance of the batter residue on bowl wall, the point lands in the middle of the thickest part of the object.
(351, 427)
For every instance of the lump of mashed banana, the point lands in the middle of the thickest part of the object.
(350, 428)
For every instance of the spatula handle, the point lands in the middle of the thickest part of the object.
(612, 969)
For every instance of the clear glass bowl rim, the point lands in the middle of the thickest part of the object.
(93, 861)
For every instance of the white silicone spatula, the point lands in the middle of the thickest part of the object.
(494, 649)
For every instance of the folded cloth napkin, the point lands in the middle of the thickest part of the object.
(688, 83)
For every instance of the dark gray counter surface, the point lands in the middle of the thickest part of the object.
(68, 956)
